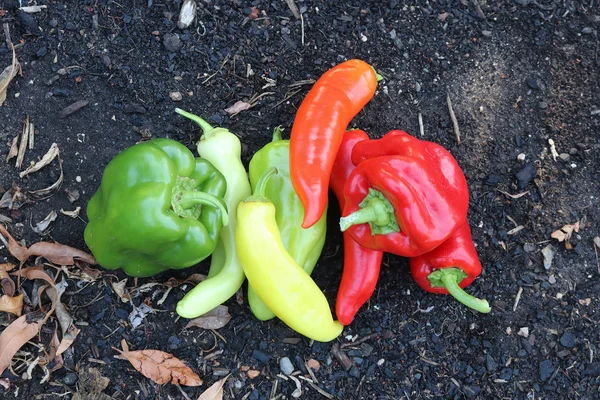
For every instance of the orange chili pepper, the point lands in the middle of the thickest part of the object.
(320, 122)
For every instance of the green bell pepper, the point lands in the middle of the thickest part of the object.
(226, 275)
(304, 245)
(157, 208)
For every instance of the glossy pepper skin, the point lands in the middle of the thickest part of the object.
(304, 245)
(361, 265)
(336, 97)
(450, 267)
(280, 282)
(223, 149)
(157, 208)
(405, 196)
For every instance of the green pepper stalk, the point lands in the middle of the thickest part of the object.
(304, 245)
(223, 149)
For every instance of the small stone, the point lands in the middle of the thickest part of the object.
(42, 51)
(172, 42)
(564, 156)
(253, 373)
(529, 247)
(524, 331)
(532, 83)
(286, 366)
(526, 175)
(53, 23)
(546, 370)
(542, 105)
(490, 364)
(521, 157)
(105, 60)
(176, 96)
(70, 379)
(567, 339)
(587, 30)
(487, 33)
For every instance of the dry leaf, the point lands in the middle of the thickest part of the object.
(7, 76)
(19, 332)
(50, 155)
(253, 373)
(14, 149)
(72, 214)
(90, 385)
(119, 288)
(216, 318)
(161, 367)
(15, 248)
(313, 364)
(564, 234)
(238, 107)
(215, 391)
(13, 305)
(23, 144)
(43, 225)
(60, 254)
(8, 285)
(38, 194)
(137, 316)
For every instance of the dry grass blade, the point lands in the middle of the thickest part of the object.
(161, 367)
(60, 254)
(215, 391)
(17, 250)
(22, 330)
(216, 318)
(38, 194)
(50, 155)
(7, 76)
(23, 144)
(13, 305)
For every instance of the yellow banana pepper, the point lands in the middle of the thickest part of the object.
(279, 281)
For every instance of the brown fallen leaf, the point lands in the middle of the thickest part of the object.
(8, 285)
(216, 318)
(161, 367)
(60, 254)
(238, 107)
(14, 149)
(13, 305)
(564, 234)
(15, 248)
(19, 332)
(215, 391)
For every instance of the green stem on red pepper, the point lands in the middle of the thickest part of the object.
(375, 210)
(449, 278)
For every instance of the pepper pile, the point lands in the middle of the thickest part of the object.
(397, 194)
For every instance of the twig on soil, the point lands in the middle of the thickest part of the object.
(421, 128)
(453, 118)
(318, 389)
(70, 109)
(517, 299)
(184, 394)
(217, 71)
(7, 39)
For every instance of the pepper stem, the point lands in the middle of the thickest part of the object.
(276, 134)
(206, 127)
(450, 278)
(187, 203)
(377, 211)
(261, 185)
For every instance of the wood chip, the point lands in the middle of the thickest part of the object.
(453, 118)
(78, 105)
(293, 8)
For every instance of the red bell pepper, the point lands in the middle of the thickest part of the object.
(337, 96)
(361, 265)
(450, 267)
(405, 196)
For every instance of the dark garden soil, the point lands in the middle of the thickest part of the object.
(519, 75)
